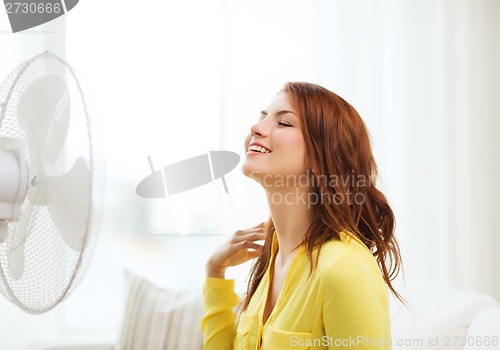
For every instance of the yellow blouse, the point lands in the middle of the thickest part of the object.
(343, 305)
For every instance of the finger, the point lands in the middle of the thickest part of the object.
(250, 236)
(249, 245)
(248, 230)
(253, 253)
(242, 233)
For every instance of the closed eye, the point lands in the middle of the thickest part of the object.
(283, 124)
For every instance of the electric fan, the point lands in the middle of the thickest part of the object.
(49, 185)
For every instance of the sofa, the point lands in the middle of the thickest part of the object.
(437, 317)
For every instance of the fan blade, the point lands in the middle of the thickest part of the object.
(68, 206)
(4, 230)
(16, 253)
(43, 113)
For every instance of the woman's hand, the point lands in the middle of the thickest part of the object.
(240, 248)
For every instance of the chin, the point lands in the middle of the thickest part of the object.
(251, 172)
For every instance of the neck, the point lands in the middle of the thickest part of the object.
(291, 216)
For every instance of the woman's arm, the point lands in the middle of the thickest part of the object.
(355, 305)
(219, 322)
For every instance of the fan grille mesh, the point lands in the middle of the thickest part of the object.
(56, 232)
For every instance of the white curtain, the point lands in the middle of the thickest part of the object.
(425, 76)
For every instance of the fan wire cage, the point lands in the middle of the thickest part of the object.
(48, 249)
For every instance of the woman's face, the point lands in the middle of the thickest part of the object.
(275, 146)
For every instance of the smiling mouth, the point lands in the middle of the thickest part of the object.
(258, 149)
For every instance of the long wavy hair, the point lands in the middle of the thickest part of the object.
(338, 147)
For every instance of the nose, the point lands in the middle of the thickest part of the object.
(258, 129)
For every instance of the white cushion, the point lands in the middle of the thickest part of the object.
(484, 332)
(158, 319)
(438, 315)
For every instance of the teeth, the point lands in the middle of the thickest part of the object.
(259, 149)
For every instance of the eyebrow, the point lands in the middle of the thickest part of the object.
(278, 113)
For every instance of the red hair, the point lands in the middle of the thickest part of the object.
(338, 147)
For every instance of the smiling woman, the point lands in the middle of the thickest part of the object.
(320, 278)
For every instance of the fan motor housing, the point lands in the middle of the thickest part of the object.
(13, 179)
